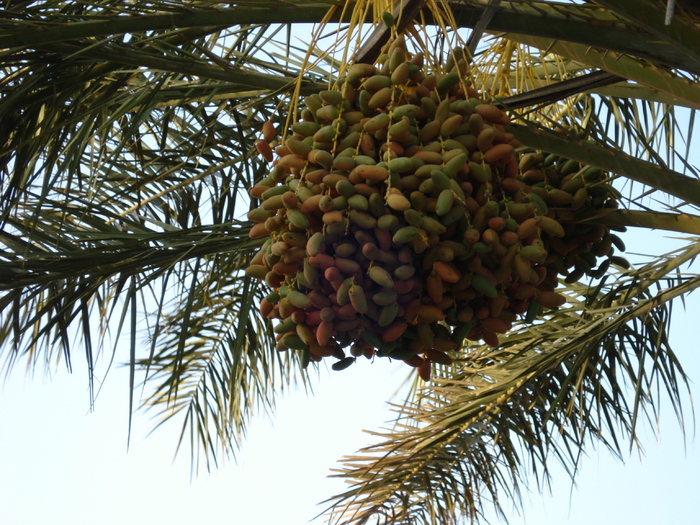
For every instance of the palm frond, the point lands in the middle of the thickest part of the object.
(685, 188)
(121, 184)
(590, 25)
(627, 116)
(588, 374)
(212, 362)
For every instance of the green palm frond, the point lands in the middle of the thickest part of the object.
(593, 24)
(211, 361)
(628, 116)
(590, 373)
(125, 169)
(684, 188)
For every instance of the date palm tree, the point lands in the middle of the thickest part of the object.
(127, 134)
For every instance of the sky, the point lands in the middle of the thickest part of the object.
(61, 464)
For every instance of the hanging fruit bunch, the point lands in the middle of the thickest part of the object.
(401, 218)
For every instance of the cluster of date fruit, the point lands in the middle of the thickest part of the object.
(401, 218)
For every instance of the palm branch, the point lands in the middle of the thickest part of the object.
(126, 166)
(126, 153)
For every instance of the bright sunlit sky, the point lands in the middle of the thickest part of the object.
(61, 464)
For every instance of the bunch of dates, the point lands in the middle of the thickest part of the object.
(400, 218)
